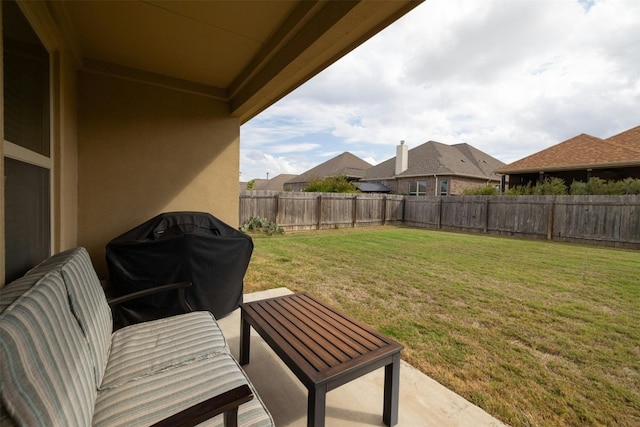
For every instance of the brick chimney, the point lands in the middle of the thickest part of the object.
(402, 158)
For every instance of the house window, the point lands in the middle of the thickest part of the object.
(444, 187)
(27, 152)
(418, 188)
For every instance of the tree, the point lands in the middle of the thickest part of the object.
(331, 184)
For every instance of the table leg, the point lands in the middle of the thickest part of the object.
(391, 391)
(316, 407)
(245, 339)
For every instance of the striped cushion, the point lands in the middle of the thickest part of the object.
(12, 291)
(46, 373)
(155, 397)
(15, 289)
(87, 299)
(144, 348)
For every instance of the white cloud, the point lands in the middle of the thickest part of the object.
(510, 77)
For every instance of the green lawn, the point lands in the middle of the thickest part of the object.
(535, 333)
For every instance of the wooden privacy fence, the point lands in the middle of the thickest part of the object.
(606, 220)
(296, 211)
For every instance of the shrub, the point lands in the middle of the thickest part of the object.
(261, 225)
(598, 186)
(595, 186)
(631, 186)
(549, 187)
(487, 190)
(331, 184)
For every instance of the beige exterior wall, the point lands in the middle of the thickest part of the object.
(65, 155)
(144, 150)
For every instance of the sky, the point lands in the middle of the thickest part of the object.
(509, 77)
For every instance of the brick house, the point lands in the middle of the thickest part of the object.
(434, 168)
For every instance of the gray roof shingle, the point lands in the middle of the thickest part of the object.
(441, 159)
(345, 164)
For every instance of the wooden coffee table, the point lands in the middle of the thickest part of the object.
(323, 347)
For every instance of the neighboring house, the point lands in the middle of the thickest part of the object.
(274, 184)
(347, 164)
(434, 168)
(580, 158)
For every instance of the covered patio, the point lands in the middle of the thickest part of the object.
(423, 401)
(116, 111)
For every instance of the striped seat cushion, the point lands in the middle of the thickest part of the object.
(46, 372)
(88, 301)
(152, 398)
(144, 348)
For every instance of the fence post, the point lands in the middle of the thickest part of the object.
(486, 215)
(440, 213)
(354, 216)
(404, 208)
(384, 210)
(276, 208)
(319, 211)
(550, 221)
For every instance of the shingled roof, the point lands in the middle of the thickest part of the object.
(441, 159)
(274, 184)
(582, 152)
(629, 139)
(346, 164)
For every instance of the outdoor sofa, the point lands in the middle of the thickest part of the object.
(61, 364)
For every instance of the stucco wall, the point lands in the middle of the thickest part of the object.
(144, 150)
(65, 155)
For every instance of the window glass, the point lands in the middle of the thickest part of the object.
(27, 218)
(26, 83)
(444, 187)
(418, 188)
(26, 132)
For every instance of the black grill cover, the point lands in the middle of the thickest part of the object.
(175, 247)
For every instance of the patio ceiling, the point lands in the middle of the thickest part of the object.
(246, 53)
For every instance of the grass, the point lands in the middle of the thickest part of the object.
(536, 333)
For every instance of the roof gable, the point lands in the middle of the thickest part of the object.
(275, 184)
(345, 164)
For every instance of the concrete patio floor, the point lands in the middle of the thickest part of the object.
(423, 401)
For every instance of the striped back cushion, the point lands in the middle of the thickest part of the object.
(46, 373)
(12, 291)
(15, 289)
(88, 302)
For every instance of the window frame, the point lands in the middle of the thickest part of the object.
(417, 191)
(445, 183)
(41, 27)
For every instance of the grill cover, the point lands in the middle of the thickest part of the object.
(174, 247)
